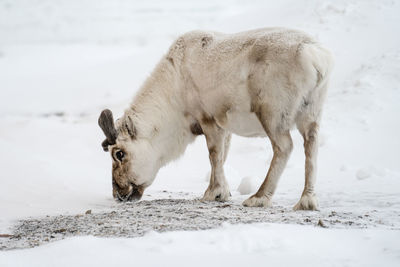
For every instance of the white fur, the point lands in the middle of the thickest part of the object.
(255, 83)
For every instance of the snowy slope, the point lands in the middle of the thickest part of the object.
(62, 62)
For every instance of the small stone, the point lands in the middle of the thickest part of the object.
(6, 235)
(88, 212)
(321, 224)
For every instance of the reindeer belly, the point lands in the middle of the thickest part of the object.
(242, 123)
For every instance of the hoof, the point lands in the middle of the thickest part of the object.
(254, 201)
(307, 202)
(219, 193)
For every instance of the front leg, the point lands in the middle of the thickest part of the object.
(218, 143)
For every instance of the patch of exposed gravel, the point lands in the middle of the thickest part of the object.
(135, 219)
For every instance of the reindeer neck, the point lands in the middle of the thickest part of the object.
(158, 109)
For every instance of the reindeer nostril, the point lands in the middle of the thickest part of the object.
(130, 193)
(136, 192)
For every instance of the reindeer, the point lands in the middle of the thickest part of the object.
(259, 83)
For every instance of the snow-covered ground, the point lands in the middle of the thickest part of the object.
(62, 62)
(239, 245)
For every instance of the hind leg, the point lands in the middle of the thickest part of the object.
(282, 146)
(308, 200)
(307, 123)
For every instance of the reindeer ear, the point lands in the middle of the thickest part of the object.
(130, 127)
(106, 123)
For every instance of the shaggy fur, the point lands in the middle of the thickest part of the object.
(255, 83)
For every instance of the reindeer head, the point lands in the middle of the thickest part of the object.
(133, 168)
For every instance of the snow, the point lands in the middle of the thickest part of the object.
(247, 186)
(239, 245)
(62, 62)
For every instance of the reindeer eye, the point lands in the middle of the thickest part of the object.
(120, 155)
